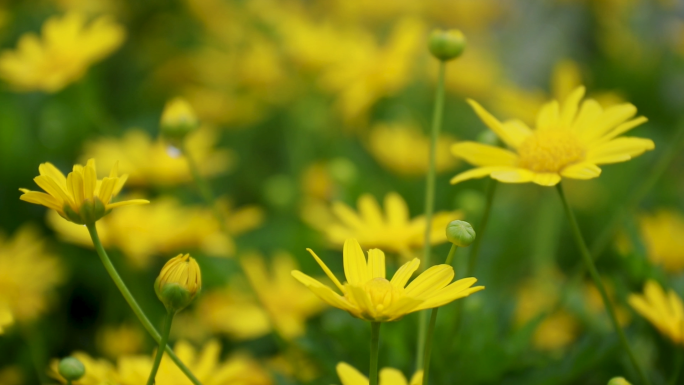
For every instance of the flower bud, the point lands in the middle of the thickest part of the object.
(178, 283)
(71, 368)
(618, 381)
(90, 211)
(178, 120)
(460, 233)
(446, 45)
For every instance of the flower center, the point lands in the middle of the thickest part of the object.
(382, 293)
(550, 150)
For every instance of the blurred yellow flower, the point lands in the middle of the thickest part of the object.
(368, 295)
(178, 111)
(569, 141)
(537, 295)
(663, 310)
(28, 274)
(387, 376)
(663, 236)
(67, 48)
(392, 230)
(288, 304)
(404, 149)
(79, 197)
(164, 227)
(375, 72)
(115, 341)
(205, 364)
(153, 162)
(595, 306)
(6, 317)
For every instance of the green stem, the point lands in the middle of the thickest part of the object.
(162, 345)
(92, 229)
(584, 251)
(374, 352)
(430, 199)
(431, 327)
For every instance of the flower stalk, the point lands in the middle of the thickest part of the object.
(430, 200)
(374, 352)
(114, 274)
(162, 346)
(591, 267)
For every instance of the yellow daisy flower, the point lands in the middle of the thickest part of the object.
(663, 235)
(664, 310)
(392, 230)
(67, 48)
(569, 141)
(388, 376)
(79, 197)
(368, 295)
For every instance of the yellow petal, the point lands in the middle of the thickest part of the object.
(397, 210)
(517, 131)
(589, 112)
(127, 203)
(403, 306)
(370, 210)
(326, 270)
(478, 172)
(621, 129)
(608, 120)
(75, 181)
(390, 376)
(354, 263)
(483, 155)
(89, 179)
(548, 116)
(404, 273)
(41, 198)
(430, 281)
(347, 215)
(584, 170)
(417, 378)
(119, 184)
(546, 178)
(322, 291)
(106, 189)
(513, 175)
(458, 289)
(376, 263)
(350, 376)
(50, 186)
(512, 138)
(49, 170)
(619, 148)
(362, 300)
(570, 106)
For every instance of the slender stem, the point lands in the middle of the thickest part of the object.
(162, 345)
(431, 327)
(584, 251)
(430, 199)
(92, 229)
(374, 352)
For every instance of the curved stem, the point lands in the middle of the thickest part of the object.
(430, 199)
(92, 229)
(162, 345)
(584, 251)
(374, 352)
(431, 328)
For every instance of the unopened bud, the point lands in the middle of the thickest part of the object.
(446, 45)
(71, 368)
(460, 233)
(179, 282)
(618, 381)
(178, 120)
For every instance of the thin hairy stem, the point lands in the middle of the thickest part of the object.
(162, 345)
(374, 352)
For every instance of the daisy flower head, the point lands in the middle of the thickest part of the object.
(664, 310)
(79, 197)
(368, 295)
(570, 140)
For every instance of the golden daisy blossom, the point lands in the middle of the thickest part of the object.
(387, 376)
(392, 230)
(663, 310)
(62, 55)
(663, 236)
(368, 295)
(79, 197)
(570, 141)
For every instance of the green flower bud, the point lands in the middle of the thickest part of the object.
(446, 45)
(178, 120)
(618, 381)
(71, 368)
(460, 233)
(179, 282)
(88, 213)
